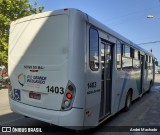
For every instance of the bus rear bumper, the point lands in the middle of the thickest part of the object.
(72, 119)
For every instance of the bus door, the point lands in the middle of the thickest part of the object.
(106, 79)
(142, 73)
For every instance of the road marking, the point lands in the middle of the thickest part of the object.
(7, 122)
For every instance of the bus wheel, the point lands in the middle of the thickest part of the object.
(128, 100)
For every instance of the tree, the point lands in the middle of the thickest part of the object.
(11, 10)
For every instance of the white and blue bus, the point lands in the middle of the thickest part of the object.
(70, 70)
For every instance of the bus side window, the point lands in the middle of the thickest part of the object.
(93, 49)
(151, 63)
(126, 59)
(136, 60)
(146, 62)
(119, 55)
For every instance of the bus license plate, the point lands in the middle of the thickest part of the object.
(35, 95)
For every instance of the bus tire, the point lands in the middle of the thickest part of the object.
(128, 101)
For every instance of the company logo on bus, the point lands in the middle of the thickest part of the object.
(31, 80)
(22, 79)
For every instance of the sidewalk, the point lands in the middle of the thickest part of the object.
(4, 102)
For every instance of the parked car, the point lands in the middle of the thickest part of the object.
(3, 76)
(0, 81)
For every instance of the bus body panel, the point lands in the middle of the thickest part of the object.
(60, 118)
(77, 57)
(148, 78)
(92, 105)
(39, 61)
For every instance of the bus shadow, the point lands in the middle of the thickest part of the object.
(8, 118)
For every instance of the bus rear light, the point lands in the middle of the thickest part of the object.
(10, 89)
(70, 87)
(68, 97)
(66, 103)
(9, 85)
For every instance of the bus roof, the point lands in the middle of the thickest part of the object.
(89, 19)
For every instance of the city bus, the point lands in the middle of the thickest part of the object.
(68, 69)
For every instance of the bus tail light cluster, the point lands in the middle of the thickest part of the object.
(10, 89)
(69, 96)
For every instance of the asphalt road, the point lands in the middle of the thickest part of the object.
(143, 112)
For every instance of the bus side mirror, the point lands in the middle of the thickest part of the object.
(156, 63)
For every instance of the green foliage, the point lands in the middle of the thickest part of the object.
(11, 10)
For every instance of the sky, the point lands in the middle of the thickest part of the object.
(126, 17)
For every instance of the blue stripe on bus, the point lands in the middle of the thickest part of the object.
(122, 90)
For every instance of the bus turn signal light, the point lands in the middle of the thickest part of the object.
(70, 87)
